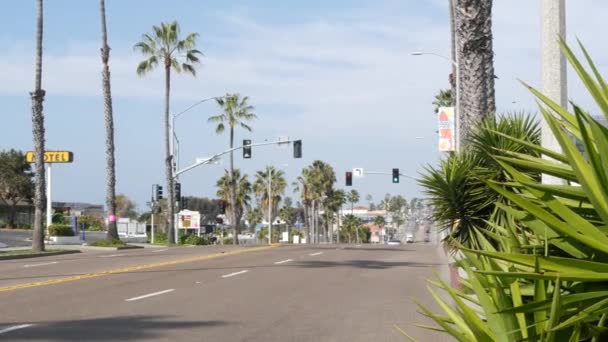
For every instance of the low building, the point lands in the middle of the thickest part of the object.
(78, 209)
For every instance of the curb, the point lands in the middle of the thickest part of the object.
(99, 248)
(29, 256)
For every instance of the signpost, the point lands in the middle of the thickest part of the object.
(50, 157)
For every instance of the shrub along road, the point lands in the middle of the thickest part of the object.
(291, 293)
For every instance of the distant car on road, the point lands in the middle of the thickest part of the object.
(409, 238)
(394, 242)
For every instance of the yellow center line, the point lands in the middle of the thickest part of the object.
(129, 269)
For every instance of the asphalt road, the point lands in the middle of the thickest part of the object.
(287, 293)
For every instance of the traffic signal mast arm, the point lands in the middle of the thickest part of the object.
(216, 156)
(387, 173)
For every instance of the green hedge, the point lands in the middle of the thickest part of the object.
(60, 230)
(106, 243)
(193, 240)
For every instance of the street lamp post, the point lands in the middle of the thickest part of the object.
(172, 141)
(269, 206)
(457, 109)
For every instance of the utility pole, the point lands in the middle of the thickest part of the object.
(553, 65)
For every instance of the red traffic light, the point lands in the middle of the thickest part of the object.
(349, 178)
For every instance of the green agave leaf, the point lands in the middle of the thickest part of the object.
(550, 153)
(586, 176)
(568, 118)
(459, 335)
(593, 310)
(598, 76)
(476, 325)
(559, 226)
(567, 301)
(594, 89)
(567, 266)
(575, 221)
(540, 165)
(456, 316)
(555, 314)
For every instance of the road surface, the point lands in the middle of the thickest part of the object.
(219, 293)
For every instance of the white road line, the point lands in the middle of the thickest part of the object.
(149, 295)
(235, 273)
(42, 264)
(159, 250)
(15, 327)
(111, 255)
(318, 253)
(282, 262)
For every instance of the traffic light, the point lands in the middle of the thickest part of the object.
(247, 149)
(349, 178)
(158, 192)
(297, 149)
(183, 203)
(178, 191)
(395, 175)
(222, 207)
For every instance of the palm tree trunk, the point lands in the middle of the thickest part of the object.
(38, 135)
(474, 41)
(112, 232)
(168, 160)
(233, 203)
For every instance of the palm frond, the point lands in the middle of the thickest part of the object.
(188, 69)
(147, 65)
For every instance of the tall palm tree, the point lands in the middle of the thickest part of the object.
(269, 187)
(473, 22)
(302, 185)
(236, 112)
(164, 46)
(322, 178)
(112, 231)
(235, 209)
(352, 198)
(333, 204)
(38, 135)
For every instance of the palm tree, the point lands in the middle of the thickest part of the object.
(352, 197)
(443, 99)
(302, 185)
(236, 112)
(165, 46)
(112, 231)
(333, 204)
(269, 186)
(38, 135)
(473, 23)
(234, 209)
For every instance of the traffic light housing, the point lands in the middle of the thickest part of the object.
(297, 149)
(395, 175)
(349, 178)
(178, 191)
(158, 192)
(183, 203)
(247, 149)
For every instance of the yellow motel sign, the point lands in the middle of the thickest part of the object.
(52, 156)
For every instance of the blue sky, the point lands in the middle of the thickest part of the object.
(336, 74)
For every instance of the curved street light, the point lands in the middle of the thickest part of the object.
(457, 72)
